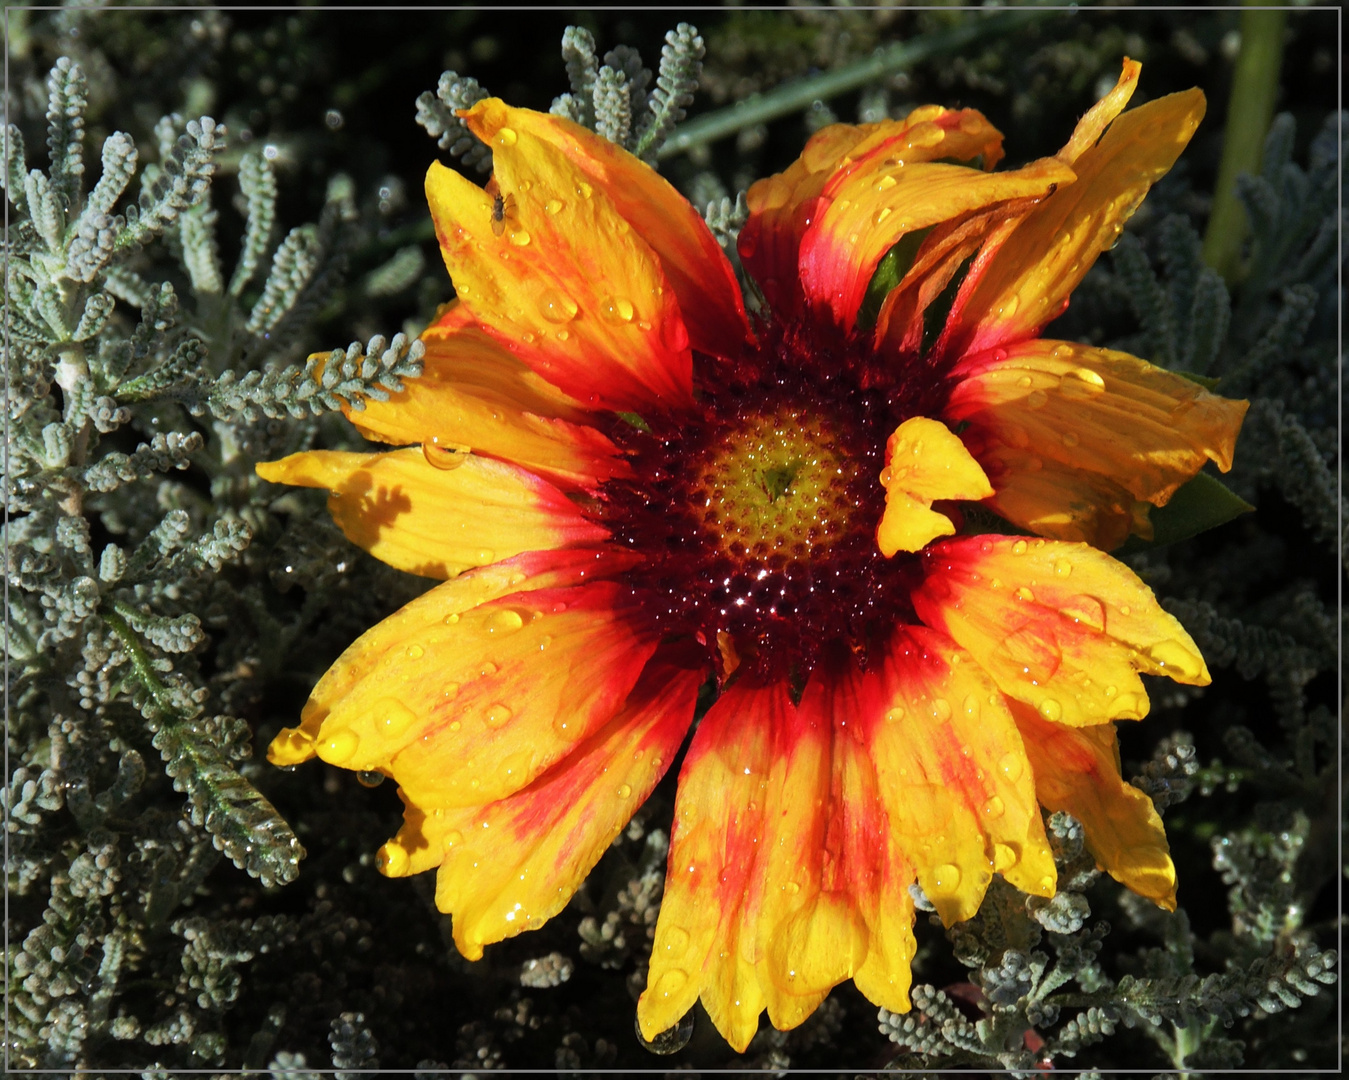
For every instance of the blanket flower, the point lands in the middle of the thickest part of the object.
(632, 488)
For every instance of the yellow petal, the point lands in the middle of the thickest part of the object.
(512, 865)
(924, 463)
(567, 286)
(433, 521)
(1058, 500)
(879, 203)
(1099, 117)
(1077, 771)
(1063, 627)
(1025, 282)
(472, 392)
(693, 261)
(354, 678)
(1137, 425)
(953, 775)
(706, 940)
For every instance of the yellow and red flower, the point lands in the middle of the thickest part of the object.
(630, 487)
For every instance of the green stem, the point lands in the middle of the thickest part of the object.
(140, 662)
(800, 94)
(1255, 82)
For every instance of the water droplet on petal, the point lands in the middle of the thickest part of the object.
(554, 206)
(339, 747)
(624, 790)
(454, 836)
(946, 877)
(1004, 857)
(671, 1040)
(1011, 766)
(885, 183)
(941, 708)
(676, 940)
(396, 716)
(994, 808)
(557, 307)
(882, 215)
(415, 652)
(616, 309)
(895, 715)
(391, 860)
(1051, 709)
(519, 237)
(506, 137)
(497, 716)
(1036, 399)
(445, 456)
(584, 190)
(504, 622)
(1019, 548)
(1024, 593)
(1063, 568)
(1070, 438)
(450, 620)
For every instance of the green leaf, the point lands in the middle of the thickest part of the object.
(890, 271)
(1202, 504)
(635, 420)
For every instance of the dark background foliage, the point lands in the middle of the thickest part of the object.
(352, 969)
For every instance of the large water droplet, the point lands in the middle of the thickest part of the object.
(454, 836)
(504, 622)
(624, 790)
(497, 716)
(391, 860)
(671, 1040)
(676, 940)
(1063, 568)
(895, 715)
(339, 747)
(1004, 857)
(519, 237)
(395, 716)
(617, 309)
(1019, 548)
(506, 137)
(1011, 766)
(584, 190)
(557, 307)
(369, 778)
(941, 708)
(554, 206)
(946, 877)
(1051, 709)
(994, 808)
(445, 456)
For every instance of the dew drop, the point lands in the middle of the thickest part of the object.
(504, 622)
(455, 725)
(1024, 593)
(454, 836)
(395, 716)
(946, 877)
(391, 860)
(1019, 548)
(673, 1039)
(1051, 709)
(792, 888)
(497, 716)
(507, 137)
(1070, 438)
(340, 747)
(885, 183)
(941, 708)
(584, 190)
(1111, 691)
(994, 808)
(624, 791)
(450, 620)
(485, 556)
(1036, 399)
(445, 456)
(1063, 568)
(971, 705)
(882, 215)
(1009, 309)
(676, 941)
(519, 237)
(553, 206)
(1047, 884)
(415, 652)
(616, 309)
(1004, 857)
(1011, 766)
(545, 641)
(557, 307)
(895, 715)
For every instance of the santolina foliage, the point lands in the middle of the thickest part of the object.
(167, 610)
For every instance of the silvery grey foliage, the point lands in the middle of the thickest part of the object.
(438, 114)
(115, 570)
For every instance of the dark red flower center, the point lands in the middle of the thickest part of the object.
(756, 514)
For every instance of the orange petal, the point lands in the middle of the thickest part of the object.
(355, 682)
(924, 463)
(513, 864)
(706, 941)
(567, 286)
(1058, 500)
(1062, 627)
(891, 196)
(1077, 771)
(472, 392)
(697, 268)
(1027, 279)
(1105, 412)
(952, 774)
(434, 521)
(851, 867)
